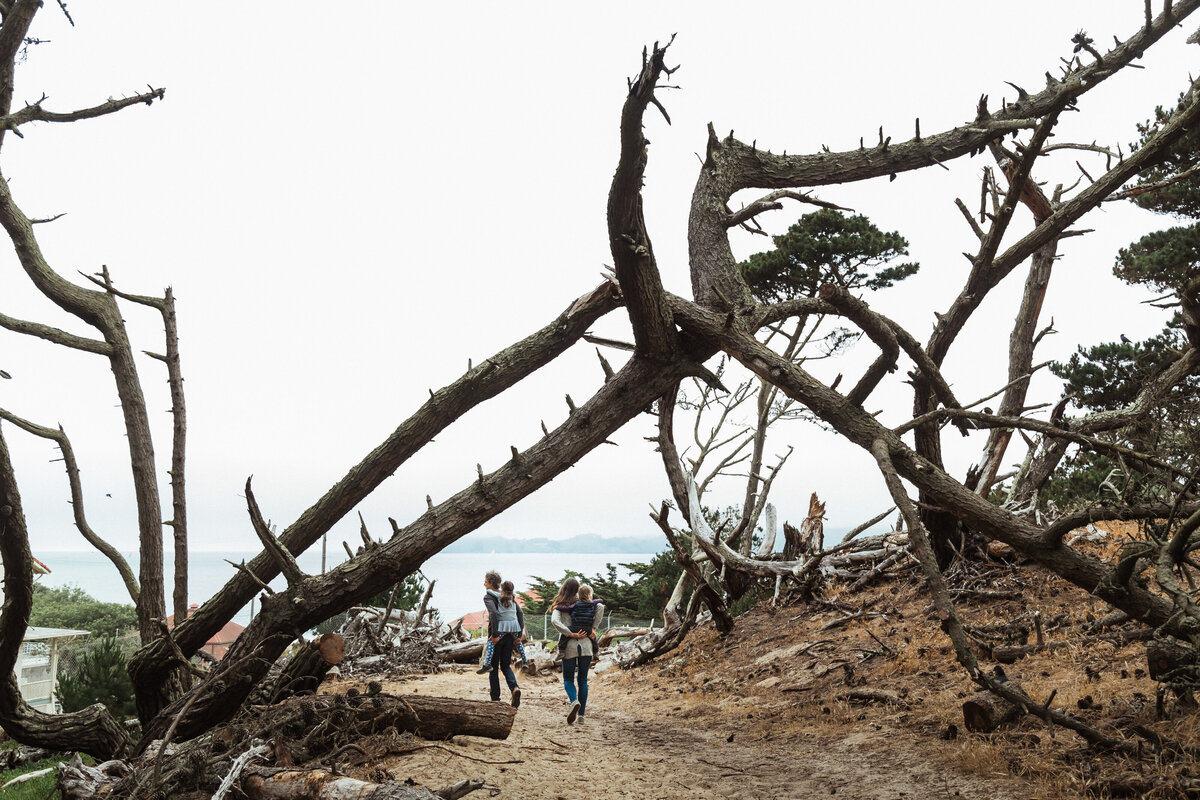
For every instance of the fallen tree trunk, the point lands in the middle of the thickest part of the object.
(272, 783)
(22, 754)
(427, 717)
(1007, 655)
(462, 652)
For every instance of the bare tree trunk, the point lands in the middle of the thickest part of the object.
(92, 730)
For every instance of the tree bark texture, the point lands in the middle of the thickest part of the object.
(429, 717)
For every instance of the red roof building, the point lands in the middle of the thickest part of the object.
(221, 641)
(478, 620)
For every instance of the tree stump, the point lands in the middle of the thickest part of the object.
(985, 712)
(1165, 658)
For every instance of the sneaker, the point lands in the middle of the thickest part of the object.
(579, 720)
(516, 697)
(486, 668)
(573, 713)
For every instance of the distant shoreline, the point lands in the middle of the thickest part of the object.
(573, 545)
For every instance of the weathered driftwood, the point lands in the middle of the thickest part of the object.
(539, 659)
(619, 633)
(22, 754)
(273, 783)
(985, 712)
(78, 781)
(462, 652)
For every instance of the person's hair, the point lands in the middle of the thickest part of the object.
(492, 579)
(506, 594)
(568, 594)
(585, 592)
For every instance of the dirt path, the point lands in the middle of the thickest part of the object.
(644, 742)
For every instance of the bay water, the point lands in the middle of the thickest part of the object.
(458, 577)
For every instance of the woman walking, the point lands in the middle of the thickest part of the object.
(577, 647)
(506, 623)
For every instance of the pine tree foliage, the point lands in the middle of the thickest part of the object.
(827, 246)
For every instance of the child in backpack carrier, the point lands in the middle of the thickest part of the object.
(506, 599)
(490, 651)
(583, 615)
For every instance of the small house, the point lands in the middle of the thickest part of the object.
(37, 666)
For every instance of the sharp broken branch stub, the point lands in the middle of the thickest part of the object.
(287, 564)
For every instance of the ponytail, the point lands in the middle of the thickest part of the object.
(506, 594)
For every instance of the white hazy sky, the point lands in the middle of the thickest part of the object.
(352, 200)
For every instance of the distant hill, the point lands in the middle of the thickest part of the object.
(580, 543)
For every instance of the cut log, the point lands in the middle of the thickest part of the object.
(266, 783)
(985, 712)
(462, 652)
(308, 667)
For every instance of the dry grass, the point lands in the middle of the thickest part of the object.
(801, 676)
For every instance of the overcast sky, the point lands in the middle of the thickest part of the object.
(352, 200)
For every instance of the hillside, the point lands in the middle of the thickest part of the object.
(853, 696)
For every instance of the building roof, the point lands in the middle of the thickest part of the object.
(33, 634)
(220, 641)
(479, 619)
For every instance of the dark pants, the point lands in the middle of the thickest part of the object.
(571, 667)
(500, 661)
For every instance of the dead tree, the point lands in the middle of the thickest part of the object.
(673, 337)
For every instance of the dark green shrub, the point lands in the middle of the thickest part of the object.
(98, 676)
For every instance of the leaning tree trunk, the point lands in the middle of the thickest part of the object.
(92, 730)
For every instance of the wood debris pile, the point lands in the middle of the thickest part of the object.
(396, 642)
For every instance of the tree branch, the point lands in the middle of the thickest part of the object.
(111, 553)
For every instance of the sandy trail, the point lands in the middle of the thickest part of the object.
(643, 742)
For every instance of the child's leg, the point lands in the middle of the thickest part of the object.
(488, 652)
(584, 663)
(521, 650)
(568, 671)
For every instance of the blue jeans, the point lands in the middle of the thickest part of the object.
(491, 650)
(500, 661)
(569, 666)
